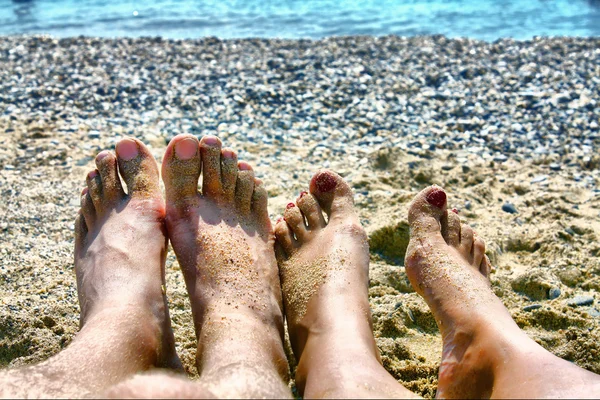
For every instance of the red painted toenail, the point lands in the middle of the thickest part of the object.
(455, 211)
(437, 198)
(290, 205)
(92, 174)
(127, 149)
(302, 194)
(325, 183)
(186, 148)
(279, 220)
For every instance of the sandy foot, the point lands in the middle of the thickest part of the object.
(223, 240)
(485, 354)
(324, 267)
(120, 246)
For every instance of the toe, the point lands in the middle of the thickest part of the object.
(210, 153)
(138, 168)
(466, 242)
(309, 206)
(181, 170)
(260, 203)
(284, 237)
(80, 232)
(106, 163)
(244, 188)
(88, 211)
(485, 267)
(294, 218)
(425, 213)
(94, 184)
(451, 229)
(478, 251)
(229, 170)
(333, 193)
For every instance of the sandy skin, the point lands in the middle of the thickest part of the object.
(485, 354)
(324, 269)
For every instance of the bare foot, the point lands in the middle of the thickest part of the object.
(485, 354)
(324, 268)
(120, 246)
(224, 244)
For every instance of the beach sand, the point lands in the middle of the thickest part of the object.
(509, 129)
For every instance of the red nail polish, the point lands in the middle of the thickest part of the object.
(302, 194)
(437, 198)
(455, 211)
(290, 205)
(279, 220)
(325, 183)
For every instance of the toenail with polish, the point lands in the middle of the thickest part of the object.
(290, 205)
(302, 194)
(437, 198)
(210, 140)
(186, 148)
(127, 149)
(279, 220)
(325, 183)
(455, 211)
(92, 174)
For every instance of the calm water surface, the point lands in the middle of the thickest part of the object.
(482, 19)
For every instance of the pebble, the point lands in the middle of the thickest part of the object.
(555, 167)
(580, 301)
(553, 293)
(539, 178)
(509, 208)
(532, 307)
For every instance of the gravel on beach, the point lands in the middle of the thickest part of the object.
(510, 129)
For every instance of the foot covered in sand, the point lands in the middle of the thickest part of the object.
(324, 268)
(120, 250)
(485, 354)
(224, 241)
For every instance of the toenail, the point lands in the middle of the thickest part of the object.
(127, 149)
(325, 183)
(210, 140)
(92, 174)
(186, 148)
(102, 155)
(84, 191)
(302, 194)
(228, 154)
(437, 198)
(290, 205)
(244, 166)
(279, 220)
(455, 211)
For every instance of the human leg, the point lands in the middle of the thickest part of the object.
(485, 354)
(120, 249)
(224, 244)
(324, 267)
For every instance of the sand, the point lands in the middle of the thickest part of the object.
(57, 112)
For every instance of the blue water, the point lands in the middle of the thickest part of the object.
(481, 19)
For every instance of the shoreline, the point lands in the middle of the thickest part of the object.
(510, 129)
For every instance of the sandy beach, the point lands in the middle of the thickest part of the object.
(510, 129)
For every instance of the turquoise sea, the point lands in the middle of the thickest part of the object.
(481, 19)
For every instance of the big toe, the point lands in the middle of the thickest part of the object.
(181, 169)
(138, 168)
(426, 214)
(333, 194)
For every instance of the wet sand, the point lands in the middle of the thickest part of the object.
(509, 129)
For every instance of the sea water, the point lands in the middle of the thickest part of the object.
(481, 19)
